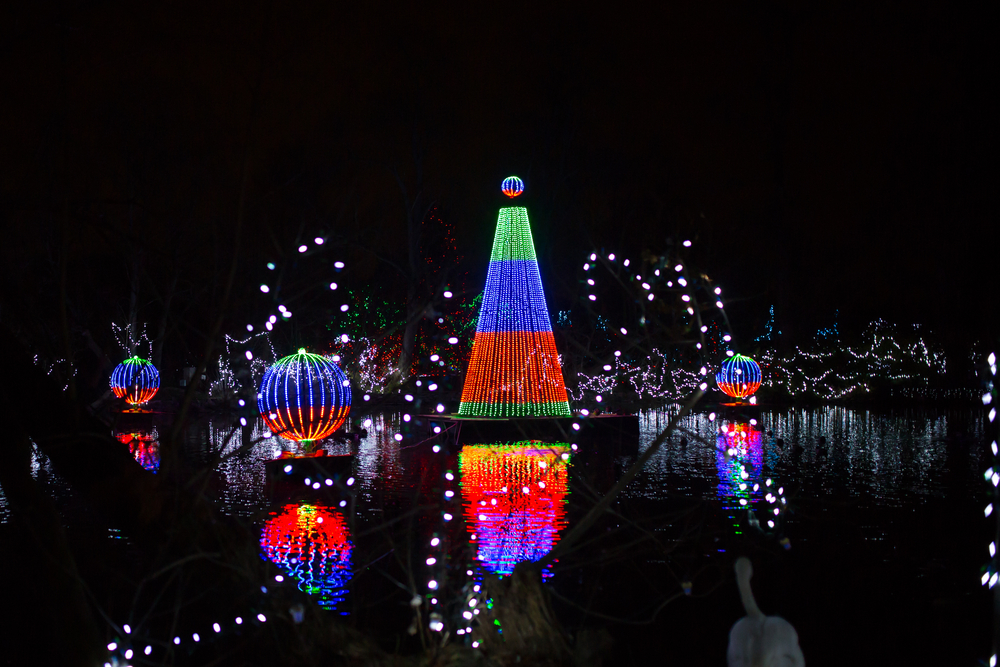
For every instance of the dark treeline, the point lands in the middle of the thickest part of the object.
(820, 159)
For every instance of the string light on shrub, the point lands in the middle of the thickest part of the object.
(124, 648)
(739, 376)
(836, 371)
(304, 397)
(991, 573)
(136, 380)
(226, 386)
(130, 337)
(660, 375)
(514, 370)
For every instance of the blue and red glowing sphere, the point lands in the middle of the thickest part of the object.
(739, 376)
(136, 380)
(512, 186)
(304, 397)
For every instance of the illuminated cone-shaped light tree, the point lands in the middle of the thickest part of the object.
(514, 370)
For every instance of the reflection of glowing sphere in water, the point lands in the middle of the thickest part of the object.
(312, 545)
(514, 497)
(739, 460)
(740, 436)
(304, 397)
(739, 376)
(136, 380)
(144, 448)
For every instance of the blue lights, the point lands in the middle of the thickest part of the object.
(513, 299)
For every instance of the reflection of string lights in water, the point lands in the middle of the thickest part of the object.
(311, 543)
(378, 455)
(990, 575)
(739, 459)
(144, 447)
(514, 497)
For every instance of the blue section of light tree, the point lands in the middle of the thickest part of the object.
(513, 299)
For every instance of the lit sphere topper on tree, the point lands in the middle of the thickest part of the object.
(512, 186)
(739, 376)
(136, 380)
(304, 397)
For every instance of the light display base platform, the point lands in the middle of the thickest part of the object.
(619, 431)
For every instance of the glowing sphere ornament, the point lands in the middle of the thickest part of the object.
(739, 376)
(304, 397)
(512, 186)
(136, 380)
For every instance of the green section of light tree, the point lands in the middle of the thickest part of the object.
(513, 238)
(541, 409)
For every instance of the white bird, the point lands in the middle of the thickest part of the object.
(757, 640)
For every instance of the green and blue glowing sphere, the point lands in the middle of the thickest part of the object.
(304, 397)
(136, 380)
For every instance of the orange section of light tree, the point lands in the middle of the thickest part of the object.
(513, 367)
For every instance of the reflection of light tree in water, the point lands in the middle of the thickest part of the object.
(739, 459)
(312, 544)
(144, 447)
(515, 498)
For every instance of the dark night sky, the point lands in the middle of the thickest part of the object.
(839, 157)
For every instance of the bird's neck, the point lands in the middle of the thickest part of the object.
(746, 594)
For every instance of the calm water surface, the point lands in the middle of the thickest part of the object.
(834, 477)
